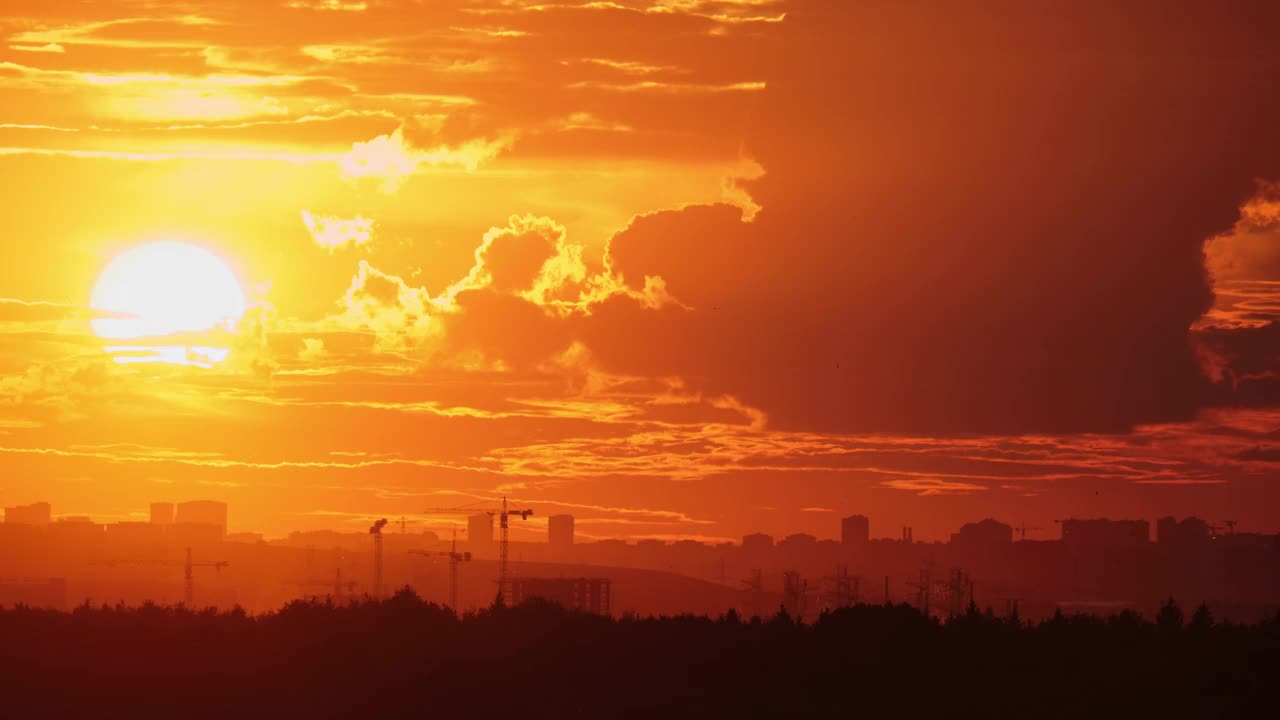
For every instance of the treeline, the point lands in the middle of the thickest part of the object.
(403, 657)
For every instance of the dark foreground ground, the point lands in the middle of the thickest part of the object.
(406, 658)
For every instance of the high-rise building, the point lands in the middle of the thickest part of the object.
(798, 543)
(983, 533)
(79, 531)
(480, 532)
(161, 513)
(40, 513)
(591, 595)
(855, 530)
(560, 530)
(206, 512)
(1189, 532)
(194, 534)
(134, 537)
(1114, 533)
(757, 543)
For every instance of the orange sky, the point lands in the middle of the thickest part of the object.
(683, 268)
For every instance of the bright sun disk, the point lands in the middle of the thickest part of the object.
(176, 301)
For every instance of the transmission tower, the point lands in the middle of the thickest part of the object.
(844, 589)
(922, 589)
(793, 592)
(958, 589)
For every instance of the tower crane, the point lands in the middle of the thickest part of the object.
(340, 587)
(503, 514)
(188, 576)
(755, 584)
(455, 557)
(376, 532)
(1021, 530)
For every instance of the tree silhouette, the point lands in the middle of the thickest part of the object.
(1202, 619)
(1169, 619)
(367, 658)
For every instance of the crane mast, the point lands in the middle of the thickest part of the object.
(455, 557)
(188, 577)
(503, 513)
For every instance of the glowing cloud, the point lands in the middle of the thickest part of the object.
(46, 48)
(386, 157)
(397, 314)
(332, 232)
(390, 158)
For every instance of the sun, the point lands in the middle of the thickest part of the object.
(169, 302)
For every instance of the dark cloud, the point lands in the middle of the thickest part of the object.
(505, 328)
(1260, 454)
(972, 221)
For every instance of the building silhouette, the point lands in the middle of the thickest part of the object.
(756, 543)
(560, 531)
(480, 533)
(162, 513)
(79, 531)
(134, 538)
(984, 533)
(1104, 532)
(40, 514)
(1190, 531)
(204, 512)
(798, 542)
(855, 530)
(593, 595)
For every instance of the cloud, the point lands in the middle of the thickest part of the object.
(630, 67)
(925, 487)
(332, 232)
(45, 48)
(530, 256)
(391, 160)
(1251, 249)
(590, 121)
(669, 87)
(19, 310)
(312, 349)
(1238, 340)
(524, 275)
(60, 388)
(116, 33)
(327, 5)
(908, 274)
(398, 315)
(385, 157)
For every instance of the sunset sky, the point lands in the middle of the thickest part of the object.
(681, 268)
